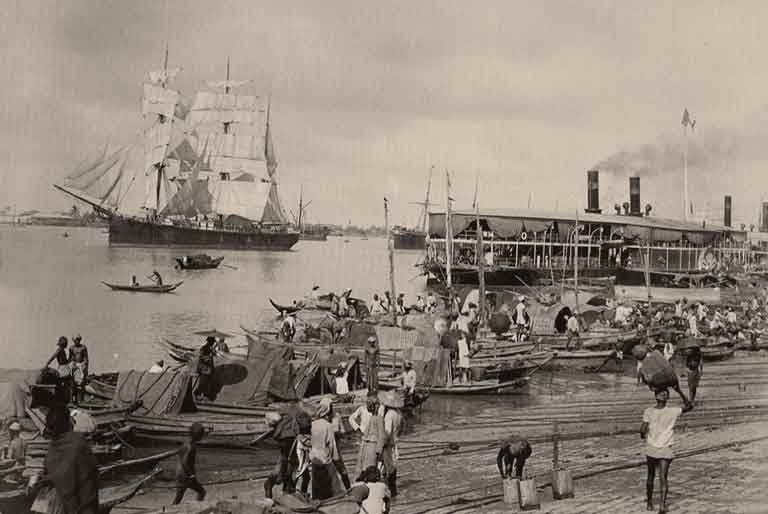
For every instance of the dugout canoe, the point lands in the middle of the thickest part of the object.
(165, 288)
(19, 501)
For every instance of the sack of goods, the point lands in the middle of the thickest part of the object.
(657, 371)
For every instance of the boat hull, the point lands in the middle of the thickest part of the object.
(496, 276)
(194, 265)
(167, 288)
(314, 237)
(709, 295)
(136, 232)
(407, 240)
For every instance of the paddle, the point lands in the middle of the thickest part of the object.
(229, 266)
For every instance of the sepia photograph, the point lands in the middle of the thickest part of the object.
(394, 257)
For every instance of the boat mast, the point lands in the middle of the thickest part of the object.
(161, 119)
(426, 200)
(576, 260)
(301, 205)
(391, 252)
(448, 234)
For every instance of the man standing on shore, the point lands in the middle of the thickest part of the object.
(657, 430)
(372, 358)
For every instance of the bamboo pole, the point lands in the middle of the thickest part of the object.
(480, 256)
(391, 252)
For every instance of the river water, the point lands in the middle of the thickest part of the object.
(50, 285)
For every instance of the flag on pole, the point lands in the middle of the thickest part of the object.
(687, 121)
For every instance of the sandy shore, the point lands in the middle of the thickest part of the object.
(721, 447)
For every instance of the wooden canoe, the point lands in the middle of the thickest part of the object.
(198, 263)
(19, 501)
(483, 387)
(584, 360)
(165, 288)
(717, 353)
(285, 308)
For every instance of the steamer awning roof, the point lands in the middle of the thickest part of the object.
(512, 220)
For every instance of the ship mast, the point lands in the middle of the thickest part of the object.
(426, 201)
(161, 119)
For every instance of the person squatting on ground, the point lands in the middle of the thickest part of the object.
(185, 468)
(512, 456)
(378, 501)
(657, 430)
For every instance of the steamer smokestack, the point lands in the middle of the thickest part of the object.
(764, 218)
(593, 192)
(727, 211)
(634, 196)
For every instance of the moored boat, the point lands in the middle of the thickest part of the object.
(198, 262)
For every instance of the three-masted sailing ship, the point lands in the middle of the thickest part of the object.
(209, 169)
(414, 238)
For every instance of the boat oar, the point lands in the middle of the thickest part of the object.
(606, 361)
(260, 438)
(230, 266)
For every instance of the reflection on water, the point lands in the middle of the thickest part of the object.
(51, 286)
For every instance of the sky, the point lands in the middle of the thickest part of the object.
(367, 96)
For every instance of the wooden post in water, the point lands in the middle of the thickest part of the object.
(391, 251)
(562, 480)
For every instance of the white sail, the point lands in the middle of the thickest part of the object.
(210, 108)
(159, 100)
(156, 140)
(245, 199)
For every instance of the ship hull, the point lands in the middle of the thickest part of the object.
(409, 240)
(314, 237)
(133, 232)
(513, 276)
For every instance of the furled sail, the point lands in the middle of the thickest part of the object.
(163, 77)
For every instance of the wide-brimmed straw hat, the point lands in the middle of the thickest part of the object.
(391, 400)
(14, 427)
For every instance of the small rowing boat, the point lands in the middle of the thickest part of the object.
(198, 262)
(165, 288)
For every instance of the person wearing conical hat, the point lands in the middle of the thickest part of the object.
(393, 422)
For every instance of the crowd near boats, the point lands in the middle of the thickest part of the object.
(510, 294)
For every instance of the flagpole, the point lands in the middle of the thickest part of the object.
(685, 174)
